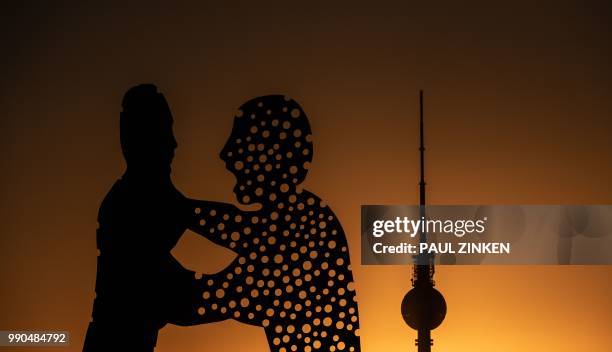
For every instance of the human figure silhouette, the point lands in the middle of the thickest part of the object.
(139, 285)
(292, 274)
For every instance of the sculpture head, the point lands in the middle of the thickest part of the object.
(147, 139)
(269, 150)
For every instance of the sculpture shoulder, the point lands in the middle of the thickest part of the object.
(129, 198)
(321, 207)
(327, 219)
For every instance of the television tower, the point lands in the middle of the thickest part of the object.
(423, 307)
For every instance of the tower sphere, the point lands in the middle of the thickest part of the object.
(423, 307)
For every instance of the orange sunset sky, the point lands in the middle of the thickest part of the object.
(518, 107)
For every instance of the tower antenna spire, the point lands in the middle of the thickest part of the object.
(422, 150)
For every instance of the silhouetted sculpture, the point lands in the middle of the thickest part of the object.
(292, 274)
(139, 285)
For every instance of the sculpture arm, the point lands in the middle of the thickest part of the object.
(223, 224)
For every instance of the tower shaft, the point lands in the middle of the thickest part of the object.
(424, 341)
(423, 307)
(423, 269)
